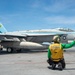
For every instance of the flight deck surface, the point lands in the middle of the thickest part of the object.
(34, 63)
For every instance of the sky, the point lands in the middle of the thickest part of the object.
(17, 15)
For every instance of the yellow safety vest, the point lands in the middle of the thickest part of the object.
(56, 52)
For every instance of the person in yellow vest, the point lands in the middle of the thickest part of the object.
(55, 53)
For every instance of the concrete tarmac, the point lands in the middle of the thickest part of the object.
(34, 63)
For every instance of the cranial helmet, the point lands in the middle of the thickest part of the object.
(56, 39)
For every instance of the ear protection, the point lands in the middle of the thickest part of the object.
(58, 39)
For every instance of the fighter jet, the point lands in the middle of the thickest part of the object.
(19, 40)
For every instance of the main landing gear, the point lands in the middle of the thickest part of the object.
(11, 50)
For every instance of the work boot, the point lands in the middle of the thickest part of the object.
(60, 66)
(53, 66)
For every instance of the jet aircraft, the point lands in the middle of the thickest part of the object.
(27, 40)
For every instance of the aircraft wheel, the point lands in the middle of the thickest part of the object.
(9, 50)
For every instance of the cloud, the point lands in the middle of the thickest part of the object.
(60, 6)
(60, 20)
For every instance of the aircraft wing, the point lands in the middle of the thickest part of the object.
(11, 37)
(39, 38)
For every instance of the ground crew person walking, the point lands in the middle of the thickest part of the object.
(55, 53)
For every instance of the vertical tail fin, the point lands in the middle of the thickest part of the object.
(2, 28)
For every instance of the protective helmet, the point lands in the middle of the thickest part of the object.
(56, 39)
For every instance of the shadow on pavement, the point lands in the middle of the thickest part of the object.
(23, 51)
(63, 69)
(69, 68)
(49, 67)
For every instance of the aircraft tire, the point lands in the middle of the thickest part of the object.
(9, 50)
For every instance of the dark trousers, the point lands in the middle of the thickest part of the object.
(62, 61)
